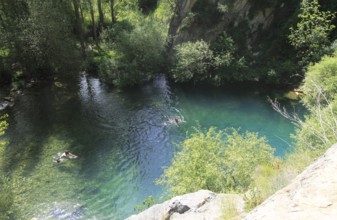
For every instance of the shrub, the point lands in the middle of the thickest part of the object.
(320, 80)
(310, 37)
(193, 61)
(213, 63)
(133, 56)
(216, 160)
(6, 193)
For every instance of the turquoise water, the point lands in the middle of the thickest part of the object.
(122, 139)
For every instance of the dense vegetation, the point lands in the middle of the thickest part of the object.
(217, 161)
(207, 160)
(124, 42)
(6, 200)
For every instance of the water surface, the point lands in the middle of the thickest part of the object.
(122, 138)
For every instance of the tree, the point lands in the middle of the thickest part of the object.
(112, 11)
(38, 36)
(310, 37)
(319, 129)
(100, 14)
(212, 63)
(193, 61)
(78, 25)
(134, 53)
(93, 24)
(47, 39)
(216, 160)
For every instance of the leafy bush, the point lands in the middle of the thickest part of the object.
(133, 56)
(216, 160)
(214, 63)
(147, 203)
(194, 61)
(6, 193)
(320, 80)
(318, 131)
(311, 35)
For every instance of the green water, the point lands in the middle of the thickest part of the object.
(122, 139)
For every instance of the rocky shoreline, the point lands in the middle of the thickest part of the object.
(311, 195)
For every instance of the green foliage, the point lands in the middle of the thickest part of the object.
(321, 77)
(222, 8)
(311, 34)
(318, 131)
(136, 54)
(194, 61)
(37, 36)
(3, 124)
(7, 198)
(47, 38)
(201, 62)
(216, 160)
(6, 193)
(147, 203)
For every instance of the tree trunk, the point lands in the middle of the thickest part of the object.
(92, 19)
(112, 4)
(101, 15)
(78, 26)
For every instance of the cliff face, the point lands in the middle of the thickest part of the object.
(204, 19)
(258, 28)
(311, 195)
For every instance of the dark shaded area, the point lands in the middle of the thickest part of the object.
(271, 59)
(147, 6)
(206, 13)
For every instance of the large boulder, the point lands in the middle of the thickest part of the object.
(203, 204)
(311, 195)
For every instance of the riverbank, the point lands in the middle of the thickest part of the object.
(310, 195)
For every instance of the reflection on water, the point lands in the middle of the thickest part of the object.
(122, 138)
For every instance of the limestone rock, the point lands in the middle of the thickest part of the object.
(311, 195)
(203, 204)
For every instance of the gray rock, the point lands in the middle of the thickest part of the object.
(9, 99)
(4, 105)
(203, 204)
(311, 195)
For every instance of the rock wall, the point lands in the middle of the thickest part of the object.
(257, 17)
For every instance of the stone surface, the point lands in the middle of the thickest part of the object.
(311, 195)
(203, 204)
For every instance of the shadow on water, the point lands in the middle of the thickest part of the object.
(122, 138)
(34, 123)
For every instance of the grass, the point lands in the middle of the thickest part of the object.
(268, 179)
(230, 209)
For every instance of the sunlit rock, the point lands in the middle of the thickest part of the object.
(311, 195)
(203, 204)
